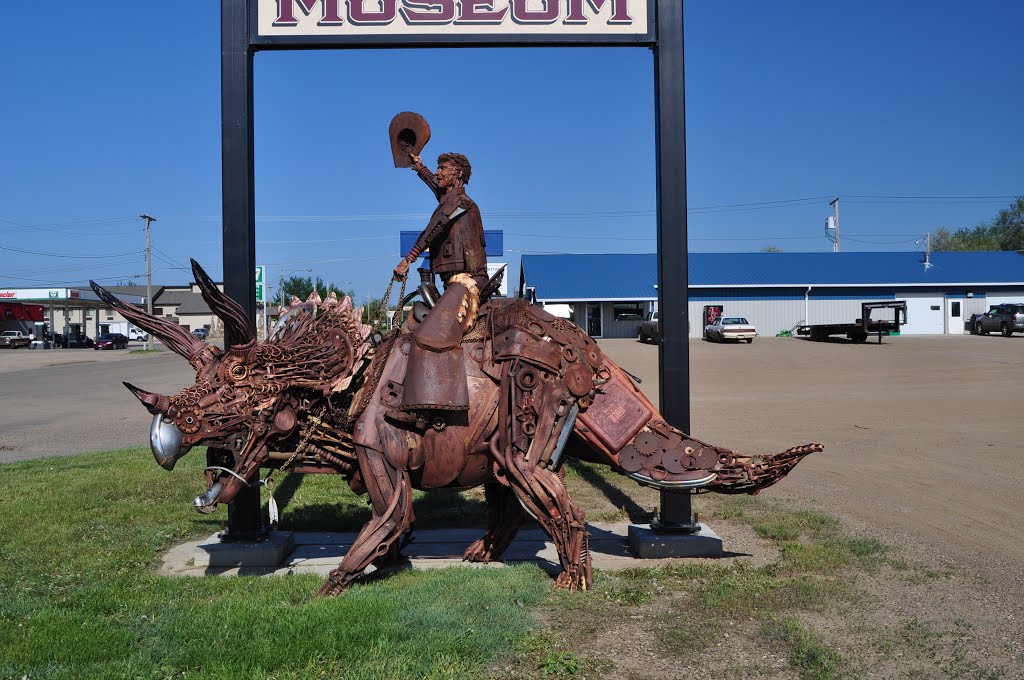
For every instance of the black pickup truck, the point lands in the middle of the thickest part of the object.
(1007, 318)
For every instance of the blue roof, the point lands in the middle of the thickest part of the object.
(633, 276)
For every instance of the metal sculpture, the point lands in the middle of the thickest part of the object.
(321, 396)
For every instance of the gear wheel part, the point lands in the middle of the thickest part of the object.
(647, 443)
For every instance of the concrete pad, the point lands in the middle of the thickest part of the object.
(320, 552)
(267, 553)
(649, 544)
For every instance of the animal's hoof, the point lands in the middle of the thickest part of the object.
(478, 552)
(331, 587)
(571, 582)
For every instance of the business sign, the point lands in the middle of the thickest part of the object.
(478, 20)
(261, 282)
(494, 238)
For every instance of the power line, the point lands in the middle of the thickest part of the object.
(168, 259)
(66, 226)
(73, 257)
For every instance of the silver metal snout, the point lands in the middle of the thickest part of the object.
(208, 501)
(165, 441)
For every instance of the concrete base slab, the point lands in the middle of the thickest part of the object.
(320, 552)
(649, 544)
(268, 553)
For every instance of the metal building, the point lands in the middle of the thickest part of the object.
(611, 294)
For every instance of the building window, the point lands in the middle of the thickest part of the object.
(628, 311)
(158, 311)
(110, 314)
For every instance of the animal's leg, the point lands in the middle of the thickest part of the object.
(504, 517)
(544, 495)
(391, 496)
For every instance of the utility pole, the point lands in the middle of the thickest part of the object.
(928, 250)
(149, 276)
(266, 312)
(835, 203)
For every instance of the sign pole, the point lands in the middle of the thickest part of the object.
(239, 228)
(673, 277)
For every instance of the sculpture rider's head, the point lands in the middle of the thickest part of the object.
(453, 170)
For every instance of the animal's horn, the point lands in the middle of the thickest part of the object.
(154, 403)
(176, 338)
(240, 328)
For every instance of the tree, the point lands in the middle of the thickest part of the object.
(1005, 231)
(771, 249)
(375, 313)
(302, 287)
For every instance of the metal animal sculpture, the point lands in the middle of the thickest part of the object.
(315, 398)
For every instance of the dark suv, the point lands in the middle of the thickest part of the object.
(1006, 318)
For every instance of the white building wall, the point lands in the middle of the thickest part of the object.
(835, 311)
(768, 316)
(975, 305)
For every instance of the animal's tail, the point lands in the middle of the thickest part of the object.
(624, 425)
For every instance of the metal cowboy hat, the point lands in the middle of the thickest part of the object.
(409, 133)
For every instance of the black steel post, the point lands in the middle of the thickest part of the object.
(673, 278)
(245, 520)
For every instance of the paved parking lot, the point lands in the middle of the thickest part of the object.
(59, 402)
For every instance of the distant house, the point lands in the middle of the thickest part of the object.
(610, 294)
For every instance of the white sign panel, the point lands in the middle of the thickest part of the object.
(512, 19)
(492, 269)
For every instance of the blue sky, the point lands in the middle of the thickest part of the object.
(113, 110)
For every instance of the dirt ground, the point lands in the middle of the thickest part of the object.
(922, 440)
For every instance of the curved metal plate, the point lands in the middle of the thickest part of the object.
(673, 461)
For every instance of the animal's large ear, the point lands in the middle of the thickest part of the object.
(176, 338)
(237, 323)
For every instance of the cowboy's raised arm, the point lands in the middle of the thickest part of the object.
(429, 178)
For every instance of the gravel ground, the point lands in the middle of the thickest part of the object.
(922, 440)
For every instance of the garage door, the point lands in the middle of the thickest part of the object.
(1003, 298)
(925, 313)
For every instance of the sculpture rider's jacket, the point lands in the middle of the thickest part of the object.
(456, 245)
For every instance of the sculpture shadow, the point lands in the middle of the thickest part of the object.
(437, 509)
(616, 496)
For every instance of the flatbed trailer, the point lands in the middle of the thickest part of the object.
(862, 327)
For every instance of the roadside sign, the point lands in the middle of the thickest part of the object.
(260, 282)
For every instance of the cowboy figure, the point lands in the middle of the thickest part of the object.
(454, 235)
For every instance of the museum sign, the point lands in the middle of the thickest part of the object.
(546, 20)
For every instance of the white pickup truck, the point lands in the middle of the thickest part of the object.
(14, 339)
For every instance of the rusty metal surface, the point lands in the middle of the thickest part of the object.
(315, 396)
(616, 414)
(409, 133)
(498, 395)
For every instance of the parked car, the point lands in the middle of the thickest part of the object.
(1006, 318)
(650, 329)
(111, 341)
(201, 333)
(14, 339)
(730, 328)
(71, 341)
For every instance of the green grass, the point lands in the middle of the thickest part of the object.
(79, 539)
(808, 654)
